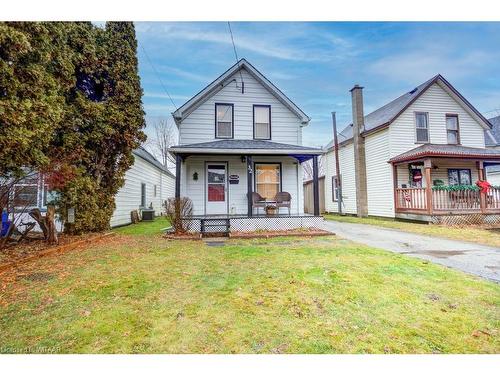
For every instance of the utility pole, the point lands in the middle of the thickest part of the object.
(337, 162)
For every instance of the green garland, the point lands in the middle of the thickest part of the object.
(459, 188)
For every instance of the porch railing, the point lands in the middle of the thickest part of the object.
(459, 200)
(411, 199)
(466, 201)
(493, 199)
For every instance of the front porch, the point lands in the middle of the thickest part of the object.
(245, 185)
(442, 189)
(224, 224)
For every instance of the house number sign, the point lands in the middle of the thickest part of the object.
(234, 179)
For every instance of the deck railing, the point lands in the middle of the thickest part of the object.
(493, 198)
(443, 200)
(411, 199)
(458, 200)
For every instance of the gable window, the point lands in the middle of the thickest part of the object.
(459, 177)
(268, 180)
(335, 188)
(422, 127)
(143, 195)
(262, 121)
(452, 133)
(224, 120)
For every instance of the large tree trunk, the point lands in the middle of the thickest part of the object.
(46, 223)
(51, 225)
(37, 216)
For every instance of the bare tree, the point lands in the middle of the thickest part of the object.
(307, 168)
(165, 137)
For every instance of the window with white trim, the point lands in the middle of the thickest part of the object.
(422, 127)
(262, 121)
(452, 133)
(335, 188)
(268, 180)
(223, 120)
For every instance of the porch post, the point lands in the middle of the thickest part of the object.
(482, 197)
(315, 185)
(249, 185)
(178, 164)
(428, 185)
(395, 185)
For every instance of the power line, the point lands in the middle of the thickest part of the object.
(158, 76)
(235, 53)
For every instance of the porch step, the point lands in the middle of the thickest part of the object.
(214, 226)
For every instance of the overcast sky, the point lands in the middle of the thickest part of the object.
(316, 64)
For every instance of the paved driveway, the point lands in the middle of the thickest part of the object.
(478, 260)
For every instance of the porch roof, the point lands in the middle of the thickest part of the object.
(244, 147)
(446, 151)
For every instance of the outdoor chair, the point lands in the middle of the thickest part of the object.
(258, 202)
(283, 199)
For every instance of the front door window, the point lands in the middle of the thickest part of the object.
(216, 189)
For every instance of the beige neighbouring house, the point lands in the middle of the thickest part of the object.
(417, 150)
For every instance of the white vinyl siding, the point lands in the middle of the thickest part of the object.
(198, 126)
(379, 175)
(437, 103)
(346, 156)
(128, 197)
(493, 178)
(291, 181)
(401, 137)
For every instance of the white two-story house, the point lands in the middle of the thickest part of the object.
(238, 136)
(417, 157)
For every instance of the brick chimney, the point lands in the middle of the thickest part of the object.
(358, 126)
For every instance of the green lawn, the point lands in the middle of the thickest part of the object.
(142, 293)
(486, 236)
(145, 227)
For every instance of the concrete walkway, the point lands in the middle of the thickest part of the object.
(480, 260)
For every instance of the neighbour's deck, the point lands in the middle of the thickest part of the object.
(416, 200)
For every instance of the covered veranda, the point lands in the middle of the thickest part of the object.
(444, 180)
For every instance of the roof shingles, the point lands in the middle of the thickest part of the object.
(492, 136)
(429, 150)
(247, 144)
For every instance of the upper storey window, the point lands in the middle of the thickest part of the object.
(262, 121)
(422, 127)
(452, 133)
(224, 123)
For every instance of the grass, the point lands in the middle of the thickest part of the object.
(471, 234)
(144, 227)
(139, 293)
